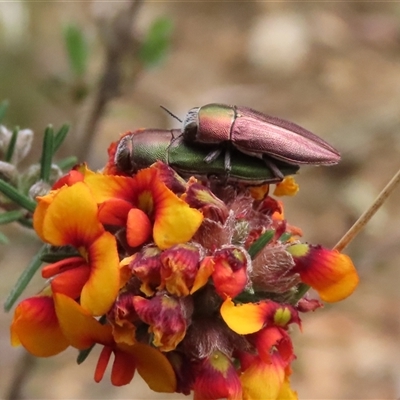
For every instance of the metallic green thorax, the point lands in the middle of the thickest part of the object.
(148, 146)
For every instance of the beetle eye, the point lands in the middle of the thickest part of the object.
(122, 158)
(190, 124)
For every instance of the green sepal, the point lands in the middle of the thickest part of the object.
(3, 109)
(24, 280)
(47, 154)
(55, 254)
(302, 289)
(11, 146)
(285, 237)
(260, 243)
(12, 193)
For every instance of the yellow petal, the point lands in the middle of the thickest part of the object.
(244, 319)
(81, 329)
(102, 287)
(70, 218)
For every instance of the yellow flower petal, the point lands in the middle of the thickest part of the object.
(262, 380)
(175, 221)
(288, 187)
(70, 218)
(244, 319)
(81, 329)
(102, 287)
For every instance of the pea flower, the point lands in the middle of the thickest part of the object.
(194, 285)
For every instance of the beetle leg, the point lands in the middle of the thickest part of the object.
(275, 170)
(212, 155)
(228, 165)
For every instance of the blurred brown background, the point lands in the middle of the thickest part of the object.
(332, 67)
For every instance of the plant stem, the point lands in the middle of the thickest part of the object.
(368, 214)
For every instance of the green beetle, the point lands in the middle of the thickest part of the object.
(142, 148)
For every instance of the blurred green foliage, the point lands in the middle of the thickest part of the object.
(156, 44)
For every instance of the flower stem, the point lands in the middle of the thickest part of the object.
(368, 214)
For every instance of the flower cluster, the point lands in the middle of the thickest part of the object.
(194, 287)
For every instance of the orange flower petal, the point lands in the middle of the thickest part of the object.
(70, 218)
(71, 282)
(102, 363)
(175, 221)
(105, 187)
(206, 269)
(40, 212)
(61, 266)
(102, 287)
(329, 272)
(138, 227)
(81, 329)
(230, 271)
(123, 368)
(36, 327)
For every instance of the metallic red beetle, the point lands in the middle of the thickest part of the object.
(256, 134)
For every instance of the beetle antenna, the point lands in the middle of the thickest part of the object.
(170, 113)
(368, 214)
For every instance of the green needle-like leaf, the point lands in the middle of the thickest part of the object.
(83, 354)
(60, 136)
(77, 49)
(3, 109)
(11, 216)
(47, 154)
(260, 243)
(11, 146)
(12, 193)
(67, 163)
(155, 46)
(24, 280)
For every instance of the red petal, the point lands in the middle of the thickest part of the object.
(114, 212)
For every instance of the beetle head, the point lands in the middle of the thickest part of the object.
(123, 154)
(191, 124)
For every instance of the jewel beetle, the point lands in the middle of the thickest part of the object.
(223, 127)
(142, 148)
